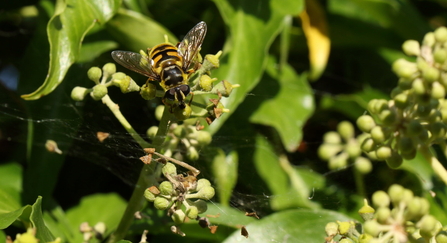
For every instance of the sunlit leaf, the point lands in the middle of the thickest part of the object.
(42, 232)
(313, 21)
(136, 31)
(106, 208)
(252, 28)
(303, 226)
(66, 30)
(92, 50)
(289, 109)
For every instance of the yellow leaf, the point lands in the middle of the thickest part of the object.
(315, 28)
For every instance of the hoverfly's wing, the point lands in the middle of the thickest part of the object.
(190, 45)
(134, 62)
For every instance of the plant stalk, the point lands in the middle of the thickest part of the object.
(437, 167)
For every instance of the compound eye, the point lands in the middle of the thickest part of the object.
(170, 94)
(185, 89)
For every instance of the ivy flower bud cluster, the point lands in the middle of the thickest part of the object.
(182, 196)
(398, 216)
(103, 79)
(182, 139)
(341, 147)
(416, 115)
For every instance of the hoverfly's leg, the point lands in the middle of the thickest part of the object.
(190, 100)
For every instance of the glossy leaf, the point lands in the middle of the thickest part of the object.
(42, 232)
(298, 225)
(225, 174)
(228, 216)
(92, 50)
(106, 208)
(10, 187)
(289, 190)
(8, 217)
(136, 31)
(247, 46)
(289, 109)
(314, 23)
(66, 30)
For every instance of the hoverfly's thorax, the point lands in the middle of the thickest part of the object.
(164, 55)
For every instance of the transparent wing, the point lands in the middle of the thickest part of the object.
(134, 62)
(190, 45)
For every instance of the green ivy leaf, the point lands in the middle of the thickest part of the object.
(252, 29)
(298, 225)
(289, 109)
(136, 31)
(36, 217)
(106, 208)
(92, 50)
(225, 174)
(66, 30)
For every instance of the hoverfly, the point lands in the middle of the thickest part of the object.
(169, 64)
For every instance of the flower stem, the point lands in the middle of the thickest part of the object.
(437, 167)
(147, 176)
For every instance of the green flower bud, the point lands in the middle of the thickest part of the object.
(338, 161)
(408, 196)
(352, 148)
(169, 169)
(192, 212)
(384, 152)
(404, 68)
(94, 74)
(326, 151)
(166, 188)
(418, 87)
(368, 145)
(440, 55)
(401, 100)
(376, 106)
(379, 135)
(429, 39)
(178, 216)
(438, 129)
(28, 237)
(394, 161)
(365, 238)
(192, 153)
(204, 138)
(346, 130)
(224, 88)
(431, 74)
(109, 69)
(331, 229)
(206, 83)
(118, 76)
(99, 91)
(126, 83)
(149, 195)
(388, 117)
(411, 48)
(366, 211)
(408, 155)
(425, 206)
(344, 227)
(383, 214)
(152, 132)
(179, 132)
(372, 228)
(182, 114)
(363, 165)
(205, 193)
(201, 205)
(366, 123)
(346, 240)
(211, 61)
(396, 193)
(441, 237)
(405, 144)
(201, 183)
(159, 112)
(427, 226)
(332, 138)
(413, 209)
(437, 91)
(79, 93)
(148, 91)
(380, 199)
(161, 203)
(441, 34)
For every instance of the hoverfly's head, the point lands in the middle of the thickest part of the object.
(178, 94)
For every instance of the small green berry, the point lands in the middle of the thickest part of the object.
(99, 91)
(365, 238)
(94, 74)
(192, 212)
(344, 227)
(206, 193)
(404, 68)
(353, 149)
(429, 39)
(148, 91)
(346, 130)
(166, 188)
(380, 199)
(366, 123)
(161, 203)
(394, 161)
(192, 153)
(178, 216)
(332, 138)
(204, 138)
(440, 55)
(431, 74)
(206, 83)
(437, 91)
(384, 152)
(109, 69)
(159, 112)
(383, 214)
(441, 237)
(388, 117)
(331, 229)
(327, 151)
(441, 34)
(152, 132)
(396, 193)
(427, 226)
(379, 135)
(411, 48)
(149, 195)
(169, 169)
(372, 228)
(79, 93)
(363, 165)
(338, 161)
(368, 145)
(201, 183)
(418, 87)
